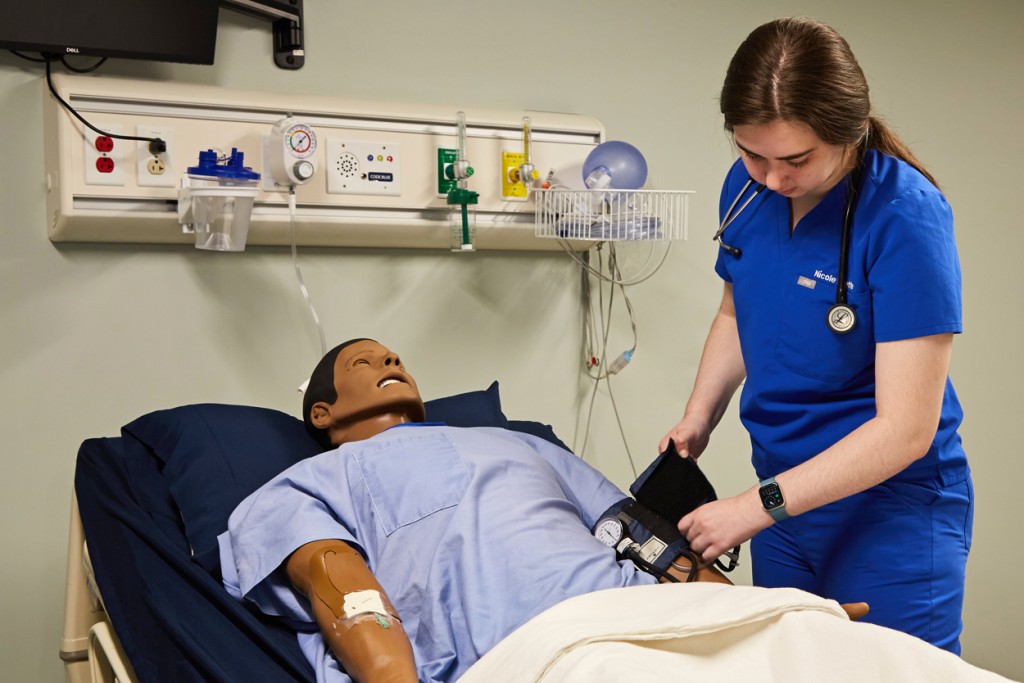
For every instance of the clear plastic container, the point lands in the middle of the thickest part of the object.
(215, 201)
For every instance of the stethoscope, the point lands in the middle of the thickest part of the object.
(840, 317)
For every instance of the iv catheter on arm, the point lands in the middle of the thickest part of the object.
(358, 621)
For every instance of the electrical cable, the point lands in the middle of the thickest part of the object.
(593, 353)
(156, 145)
(591, 339)
(89, 69)
(613, 268)
(635, 280)
(298, 272)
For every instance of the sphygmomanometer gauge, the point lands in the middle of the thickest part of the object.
(609, 531)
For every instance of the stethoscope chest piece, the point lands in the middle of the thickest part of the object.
(841, 318)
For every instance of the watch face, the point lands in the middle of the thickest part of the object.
(771, 496)
(608, 531)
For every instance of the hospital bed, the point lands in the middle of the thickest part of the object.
(145, 603)
(144, 600)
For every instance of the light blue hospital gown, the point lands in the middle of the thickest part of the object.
(471, 532)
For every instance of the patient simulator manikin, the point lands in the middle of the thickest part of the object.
(473, 531)
(353, 611)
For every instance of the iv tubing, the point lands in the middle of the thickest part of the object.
(298, 272)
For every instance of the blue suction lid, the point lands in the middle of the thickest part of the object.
(232, 167)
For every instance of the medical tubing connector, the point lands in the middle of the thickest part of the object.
(620, 362)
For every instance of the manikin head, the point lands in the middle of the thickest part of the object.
(357, 390)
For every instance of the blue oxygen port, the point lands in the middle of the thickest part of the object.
(233, 167)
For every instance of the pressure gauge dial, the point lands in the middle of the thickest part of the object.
(291, 152)
(300, 141)
(609, 531)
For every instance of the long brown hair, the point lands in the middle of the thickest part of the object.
(798, 69)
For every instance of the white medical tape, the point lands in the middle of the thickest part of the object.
(364, 602)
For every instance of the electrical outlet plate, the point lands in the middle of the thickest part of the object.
(445, 158)
(510, 190)
(155, 170)
(104, 166)
(363, 167)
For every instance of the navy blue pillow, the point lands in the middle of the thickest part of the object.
(214, 455)
(471, 409)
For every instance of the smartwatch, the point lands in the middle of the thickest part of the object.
(771, 499)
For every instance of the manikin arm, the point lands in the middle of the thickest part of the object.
(356, 618)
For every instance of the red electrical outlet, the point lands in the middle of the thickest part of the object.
(104, 157)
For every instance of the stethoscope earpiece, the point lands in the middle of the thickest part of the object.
(730, 217)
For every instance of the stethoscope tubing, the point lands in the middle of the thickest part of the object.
(844, 240)
(729, 216)
(841, 306)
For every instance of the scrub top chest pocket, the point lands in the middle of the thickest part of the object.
(809, 347)
(410, 478)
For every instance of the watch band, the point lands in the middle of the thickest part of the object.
(772, 499)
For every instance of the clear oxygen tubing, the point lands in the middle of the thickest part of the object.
(298, 272)
(646, 272)
(605, 327)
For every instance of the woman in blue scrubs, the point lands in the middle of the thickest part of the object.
(864, 489)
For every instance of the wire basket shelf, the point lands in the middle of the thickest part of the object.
(613, 215)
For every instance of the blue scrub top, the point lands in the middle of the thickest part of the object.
(808, 387)
(471, 532)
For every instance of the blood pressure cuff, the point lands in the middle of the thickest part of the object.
(673, 486)
(642, 535)
(645, 528)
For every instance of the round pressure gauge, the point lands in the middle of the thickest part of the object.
(300, 140)
(609, 531)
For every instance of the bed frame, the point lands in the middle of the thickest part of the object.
(89, 647)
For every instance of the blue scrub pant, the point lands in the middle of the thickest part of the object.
(901, 547)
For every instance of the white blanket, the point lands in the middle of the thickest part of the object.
(712, 632)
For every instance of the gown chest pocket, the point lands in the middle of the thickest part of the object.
(412, 477)
(809, 347)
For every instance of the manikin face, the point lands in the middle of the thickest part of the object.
(790, 159)
(374, 392)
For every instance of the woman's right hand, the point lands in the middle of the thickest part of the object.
(690, 437)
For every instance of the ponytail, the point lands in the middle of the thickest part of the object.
(882, 138)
